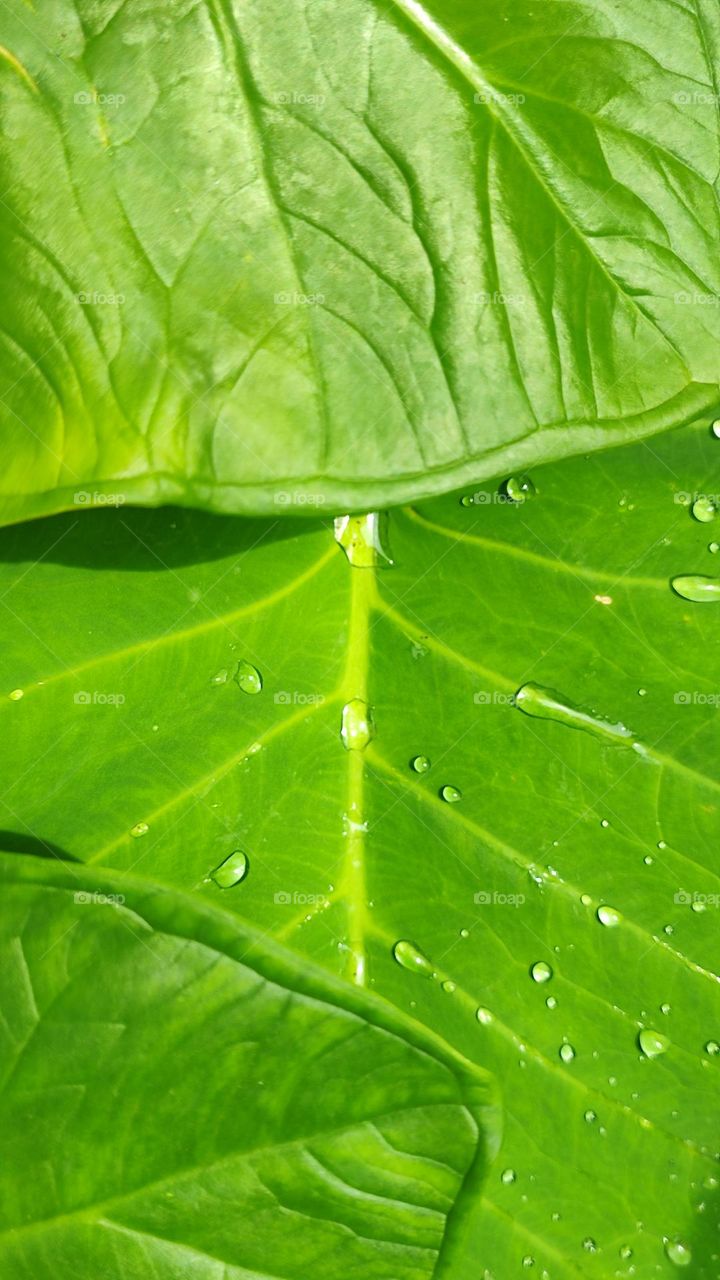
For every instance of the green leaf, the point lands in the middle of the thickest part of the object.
(314, 255)
(181, 1097)
(590, 850)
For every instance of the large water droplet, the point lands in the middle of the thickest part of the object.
(715, 428)
(420, 764)
(703, 509)
(140, 829)
(541, 972)
(364, 539)
(652, 1043)
(232, 870)
(608, 916)
(696, 587)
(357, 725)
(567, 1053)
(450, 795)
(411, 957)
(547, 704)
(679, 1254)
(519, 488)
(248, 678)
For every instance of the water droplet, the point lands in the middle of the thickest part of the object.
(364, 539)
(420, 764)
(586, 899)
(551, 1002)
(484, 1016)
(411, 957)
(703, 509)
(652, 1043)
(16, 695)
(648, 860)
(590, 1117)
(464, 933)
(232, 870)
(528, 1260)
(715, 428)
(713, 548)
(712, 1047)
(357, 726)
(625, 1252)
(679, 1254)
(546, 704)
(450, 795)
(140, 829)
(248, 678)
(466, 500)
(665, 1008)
(507, 1176)
(541, 972)
(604, 822)
(697, 906)
(642, 693)
(661, 844)
(448, 986)
(608, 916)
(220, 677)
(589, 1245)
(697, 588)
(519, 488)
(567, 1053)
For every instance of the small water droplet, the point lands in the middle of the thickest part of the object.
(567, 1053)
(661, 844)
(586, 899)
(364, 539)
(551, 1002)
(648, 860)
(625, 1252)
(220, 677)
(604, 822)
(715, 428)
(448, 986)
(547, 704)
(642, 693)
(411, 957)
(679, 1254)
(464, 933)
(450, 795)
(703, 509)
(541, 972)
(519, 488)
(16, 695)
(608, 916)
(528, 1260)
(232, 870)
(248, 678)
(484, 1016)
(590, 1117)
(665, 1008)
(466, 500)
(420, 764)
(589, 1245)
(696, 587)
(712, 1047)
(357, 725)
(140, 829)
(652, 1043)
(713, 548)
(507, 1176)
(697, 906)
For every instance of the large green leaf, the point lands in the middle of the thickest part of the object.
(279, 252)
(180, 1098)
(147, 616)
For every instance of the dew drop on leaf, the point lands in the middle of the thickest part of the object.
(507, 1176)
(551, 1002)
(590, 1117)
(528, 1261)
(140, 829)
(715, 428)
(411, 957)
(608, 916)
(625, 1252)
(484, 1016)
(232, 870)
(696, 587)
(364, 539)
(420, 764)
(678, 1253)
(220, 677)
(450, 795)
(652, 1043)
(357, 725)
(519, 488)
(16, 695)
(713, 548)
(703, 509)
(448, 986)
(712, 1047)
(541, 972)
(547, 704)
(247, 677)
(567, 1053)
(589, 1245)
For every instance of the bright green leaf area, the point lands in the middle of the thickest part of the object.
(351, 254)
(590, 850)
(181, 1098)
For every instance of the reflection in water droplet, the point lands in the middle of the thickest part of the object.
(220, 677)
(703, 509)
(541, 972)
(364, 539)
(652, 1043)
(248, 678)
(140, 829)
(420, 764)
(712, 1047)
(547, 704)
(451, 795)
(507, 1176)
(232, 870)
(16, 695)
(697, 588)
(608, 916)
(519, 488)
(484, 1016)
(679, 1254)
(411, 957)
(567, 1053)
(357, 725)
